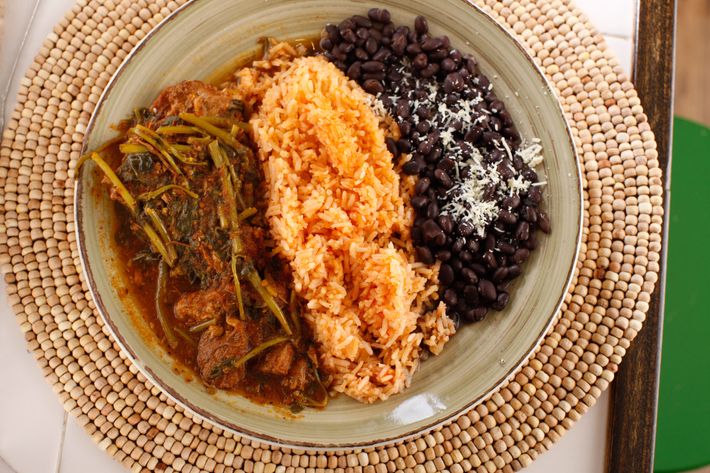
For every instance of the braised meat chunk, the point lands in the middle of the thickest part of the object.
(192, 96)
(197, 306)
(279, 360)
(218, 350)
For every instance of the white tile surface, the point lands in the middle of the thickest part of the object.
(611, 17)
(582, 449)
(623, 50)
(31, 419)
(80, 453)
(30, 414)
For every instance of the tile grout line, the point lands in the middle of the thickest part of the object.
(62, 440)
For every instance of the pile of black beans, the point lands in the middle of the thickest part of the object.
(412, 73)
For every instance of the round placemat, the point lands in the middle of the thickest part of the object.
(144, 430)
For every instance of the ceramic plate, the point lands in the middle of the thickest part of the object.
(201, 38)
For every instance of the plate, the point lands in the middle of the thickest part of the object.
(203, 36)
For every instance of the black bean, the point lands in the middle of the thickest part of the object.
(456, 264)
(362, 21)
(522, 233)
(461, 303)
(421, 25)
(469, 315)
(371, 46)
(453, 82)
(402, 109)
(473, 246)
(392, 147)
(511, 202)
(501, 301)
(469, 276)
(483, 82)
(399, 44)
(326, 44)
(530, 243)
(349, 36)
(543, 221)
(425, 147)
(361, 55)
(417, 235)
(420, 61)
(443, 178)
(507, 217)
(411, 167)
(333, 33)
(465, 229)
(474, 134)
(490, 138)
(422, 185)
(405, 128)
(373, 86)
(373, 66)
(458, 245)
(446, 274)
(529, 213)
(378, 76)
(362, 33)
(446, 223)
(487, 290)
(430, 44)
(387, 31)
(534, 194)
(382, 55)
(450, 297)
(432, 211)
(394, 75)
(506, 170)
(490, 260)
(424, 255)
(506, 248)
(429, 71)
(425, 113)
(470, 294)
(413, 49)
(465, 256)
(490, 242)
(376, 34)
(513, 271)
(520, 256)
(355, 70)
(419, 202)
(438, 55)
(530, 175)
(479, 269)
(338, 54)
(448, 65)
(404, 146)
(432, 230)
(443, 255)
(381, 15)
(500, 274)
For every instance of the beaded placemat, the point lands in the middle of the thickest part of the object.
(140, 427)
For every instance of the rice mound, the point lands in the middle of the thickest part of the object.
(336, 207)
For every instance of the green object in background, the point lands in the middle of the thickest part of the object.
(683, 434)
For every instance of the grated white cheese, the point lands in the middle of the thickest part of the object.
(471, 198)
(531, 153)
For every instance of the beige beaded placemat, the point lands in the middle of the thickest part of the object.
(140, 427)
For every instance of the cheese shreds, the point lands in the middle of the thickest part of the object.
(479, 189)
